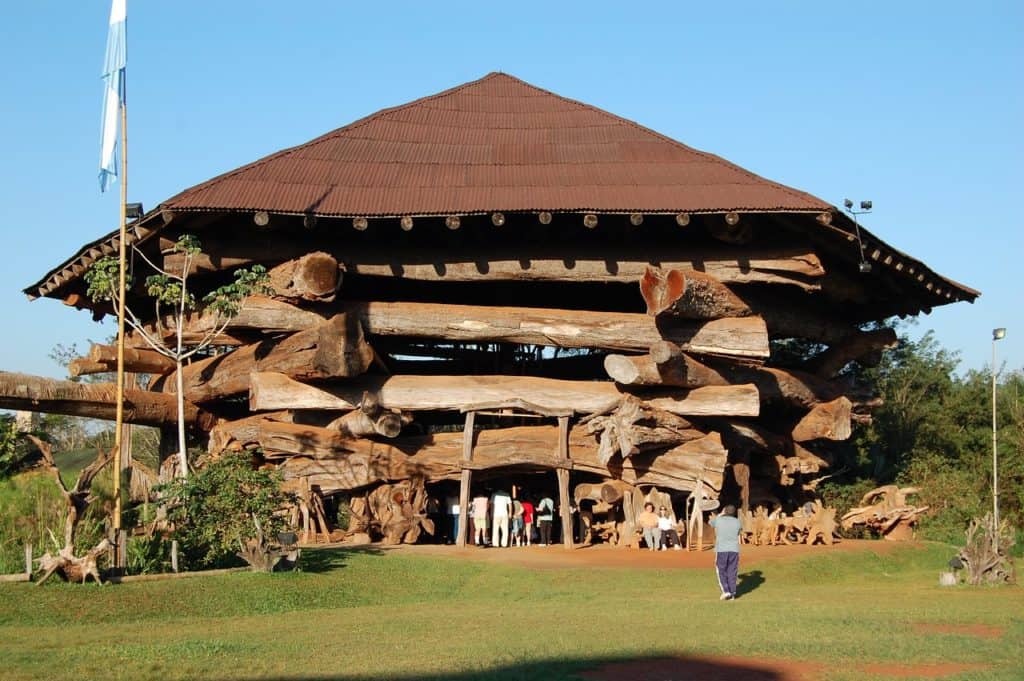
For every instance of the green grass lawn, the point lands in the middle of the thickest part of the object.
(370, 615)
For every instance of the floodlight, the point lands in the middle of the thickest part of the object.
(848, 203)
(998, 334)
(133, 211)
(865, 205)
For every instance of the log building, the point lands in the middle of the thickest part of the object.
(496, 282)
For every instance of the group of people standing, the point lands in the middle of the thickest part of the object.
(496, 518)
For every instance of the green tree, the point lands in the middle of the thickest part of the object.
(170, 295)
(934, 432)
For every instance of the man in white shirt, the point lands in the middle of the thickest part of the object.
(501, 509)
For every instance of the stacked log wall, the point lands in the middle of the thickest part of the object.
(668, 378)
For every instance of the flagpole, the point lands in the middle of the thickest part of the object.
(119, 551)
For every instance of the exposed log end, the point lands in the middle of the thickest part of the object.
(622, 369)
(660, 289)
(826, 421)
(314, 276)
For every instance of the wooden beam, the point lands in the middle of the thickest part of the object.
(465, 478)
(793, 266)
(271, 391)
(744, 338)
(21, 392)
(103, 358)
(563, 482)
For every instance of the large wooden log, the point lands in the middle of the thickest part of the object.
(336, 463)
(313, 276)
(335, 348)
(826, 421)
(665, 365)
(271, 391)
(103, 358)
(258, 315)
(865, 347)
(745, 338)
(689, 295)
(794, 266)
(634, 426)
(369, 419)
(94, 400)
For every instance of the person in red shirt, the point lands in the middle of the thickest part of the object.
(527, 520)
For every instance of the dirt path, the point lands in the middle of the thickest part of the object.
(602, 555)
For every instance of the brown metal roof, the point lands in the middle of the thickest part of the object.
(495, 144)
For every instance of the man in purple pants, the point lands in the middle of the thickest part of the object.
(727, 550)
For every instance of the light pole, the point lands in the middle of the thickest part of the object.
(997, 334)
(865, 207)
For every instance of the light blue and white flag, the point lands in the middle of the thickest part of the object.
(113, 92)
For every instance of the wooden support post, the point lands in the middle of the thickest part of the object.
(563, 481)
(467, 478)
(28, 561)
(121, 545)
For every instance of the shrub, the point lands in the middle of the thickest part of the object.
(213, 510)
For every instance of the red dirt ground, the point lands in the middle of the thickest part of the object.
(754, 669)
(976, 630)
(603, 555)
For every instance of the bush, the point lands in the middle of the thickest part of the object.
(213, 510)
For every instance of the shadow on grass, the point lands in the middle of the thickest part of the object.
(326, 559)
(650, 668)
(749, 581)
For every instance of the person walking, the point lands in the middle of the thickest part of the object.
(727, 550)
(545, 514)
(528, 521)
(648, 522)
(501, 509)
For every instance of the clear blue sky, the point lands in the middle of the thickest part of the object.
(918, 106)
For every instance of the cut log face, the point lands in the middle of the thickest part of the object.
(333, 349)
(311, 277)
(689, 295)
(826, 421)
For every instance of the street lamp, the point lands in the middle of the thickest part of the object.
(997, 334)
(865, 207)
